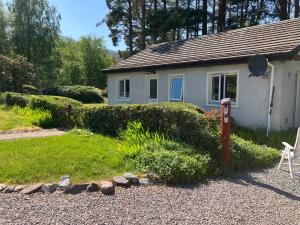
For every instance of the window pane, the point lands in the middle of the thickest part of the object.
(215, 89)
(127, 88)
(121, 88)
(176, 88)
(230, 87)
(153, 89)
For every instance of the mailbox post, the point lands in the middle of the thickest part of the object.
(226, 129)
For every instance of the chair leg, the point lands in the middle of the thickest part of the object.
(281, 161)
(291, 168)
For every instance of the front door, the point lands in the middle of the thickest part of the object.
(152, 89)
(297, 113)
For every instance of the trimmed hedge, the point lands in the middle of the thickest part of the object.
(247, 155)
(58, 107)
(183, 122)
(29, 89)
(84, 94)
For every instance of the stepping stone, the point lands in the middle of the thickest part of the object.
(19, 188)
(32, 189)
(92, 187)
(9, 189)
(133, 179)
(144, 181)
(75, 189)
(2, 187)
(107, 188)
(121, 181)
(64, 182)
(49, 188)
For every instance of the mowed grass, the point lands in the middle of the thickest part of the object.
(83, 157)
(12, 120)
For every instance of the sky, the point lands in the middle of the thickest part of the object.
(79, 18)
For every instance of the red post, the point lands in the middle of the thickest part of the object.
(226, 129)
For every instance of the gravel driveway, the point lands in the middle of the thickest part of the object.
(265, 197)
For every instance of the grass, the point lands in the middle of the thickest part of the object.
(15, 118)
(85, 157)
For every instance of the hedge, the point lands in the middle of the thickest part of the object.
(183, 122)
(84, 94)
(58, 107)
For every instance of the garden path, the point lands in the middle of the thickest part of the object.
(31, 133)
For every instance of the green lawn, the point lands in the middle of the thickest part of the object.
(83, 157)
(11, 120)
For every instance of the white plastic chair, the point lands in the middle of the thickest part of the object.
(290, 154)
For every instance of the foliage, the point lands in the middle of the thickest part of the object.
(29, 89)
(84, 94)
(247, 155)
(35, 30)
(84, 157)
(58, 107)
(14, 73)
(173, 163)
(258, 136)
(3, 30)
(183, 122)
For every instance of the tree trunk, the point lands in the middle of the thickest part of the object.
(188, 24)
(204, 23)
(296, 9)
(143, 24)
(213, 17)
(221, 15)
(130, 36)
(155, 13)
(283, 9)
(175, 29)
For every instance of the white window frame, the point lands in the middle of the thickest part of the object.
(210, 75)
(171, 77)
(147, 84)
(124, 98)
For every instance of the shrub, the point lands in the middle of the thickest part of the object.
(57, 106)
(247, 155)
(183, 122)
(176, 165)
(84, 94)
(29, 89)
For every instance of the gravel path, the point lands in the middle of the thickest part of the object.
(267, 197)
(5, 136)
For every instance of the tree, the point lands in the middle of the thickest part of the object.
(296, 13)
(35, 30)
(3, 30)
(221, 15)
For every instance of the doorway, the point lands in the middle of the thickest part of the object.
(152, 89)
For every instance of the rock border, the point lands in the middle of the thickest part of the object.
(105, 187)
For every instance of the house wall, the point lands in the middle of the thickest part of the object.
(253, 93)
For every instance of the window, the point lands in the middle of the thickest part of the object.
(152, 90)
(223, 86)
(176, 88)
(124, 89)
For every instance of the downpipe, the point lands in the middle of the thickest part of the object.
(271, 96)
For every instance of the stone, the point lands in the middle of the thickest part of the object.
(9, 189)
(75, 189)
(19, 188)
(92, 187)
(144, 181)
(64, 182)
(133, 179)
(2, 187)
(32, 189)
(121, 181)
(107, 188)
(49, 188)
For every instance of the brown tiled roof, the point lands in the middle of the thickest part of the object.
(276, 41)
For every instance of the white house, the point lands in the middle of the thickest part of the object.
(204, 70)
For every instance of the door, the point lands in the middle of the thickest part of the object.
(297, 113)
(152, 89)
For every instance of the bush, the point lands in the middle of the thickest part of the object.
(57, 106)
(183, 122)
(247, 155)
(173, 163)
(84, 94)
(29, 89)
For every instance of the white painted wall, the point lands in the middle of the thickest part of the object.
(253, 93)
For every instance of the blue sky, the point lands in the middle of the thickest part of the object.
(79, 18)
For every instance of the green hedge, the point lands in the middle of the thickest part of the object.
(58, 107)
(84, 94)
(29, 89)
(247, 155)
(183, 122)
